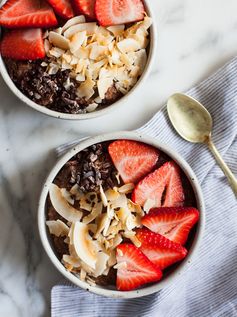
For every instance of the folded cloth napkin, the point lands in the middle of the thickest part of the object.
(209, 285)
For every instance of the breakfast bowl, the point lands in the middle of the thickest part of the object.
(121, 215)
(81, 69)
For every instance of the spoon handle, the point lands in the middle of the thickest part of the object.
(230, 176)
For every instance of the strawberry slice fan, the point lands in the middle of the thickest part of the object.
(132, 159)
(29, 43)
(163, 187)
(136, 269)
(63, 8)
(25, 13)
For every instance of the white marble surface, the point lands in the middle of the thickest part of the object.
(195, 38)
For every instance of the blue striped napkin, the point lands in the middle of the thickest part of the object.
(209, 285)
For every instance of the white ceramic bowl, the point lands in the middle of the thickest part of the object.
(96, 113)
(106, 291)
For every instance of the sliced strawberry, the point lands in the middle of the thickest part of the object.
(173, 223)
(132, 159)
(112, 12)
(160, 250)
(136, 268)
(86, 7)
(163, 186)
(63, 8)
(27, 13)
(26, 44)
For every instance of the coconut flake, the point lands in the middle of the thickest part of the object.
(149, 203)
(128, 45)
(83, 244)
(91, 107)
(126, 189)
(58, 40)
(57, 228)
(90, 28)
(61, 205)
(77, 41)
(76, 20)
(101, 263)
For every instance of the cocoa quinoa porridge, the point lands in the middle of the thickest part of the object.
(78, 64)
(110, 202)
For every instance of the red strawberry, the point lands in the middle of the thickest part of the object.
(160, 250)
(173, 223)
(132, 159)
(86, 7)
(112, 12)
(63, 8)
(138, 268)
(23, 44)
(27, 13)
(163, 186)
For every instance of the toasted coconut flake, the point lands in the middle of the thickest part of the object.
(87, 268)
(106, 225)
(90, 28)
(91, 107)
(131, 222)
(82, 52)
(112, 194)
(77, 41)
(103, 31)
(116, 29)
(86, 89)
(69, 259)
(101, 225)
(82, 275)
(47, 46)
(84, 245)
(80, 77)
(128, 45)
(126, 189)
(112, 259)
(84, 204)
(58, 40)
(135, 241)
(56, 52)
(96, 211)
(67, 195)
(110, 212)
(101, 263)
(103, 85)
(103, 197)
(96, 51)
(116, 241)
(44, 64)
(141, 59)
(62, 207)
(75, 191)
(149, 203)
(57, 227)
(76, 20)
(120, 265)
(53, 69)
(120, 202)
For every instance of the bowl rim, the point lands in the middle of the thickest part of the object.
(140, 137)
(96, 113)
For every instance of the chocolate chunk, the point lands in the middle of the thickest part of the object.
(50, 90)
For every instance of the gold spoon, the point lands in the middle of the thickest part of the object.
(194, 123)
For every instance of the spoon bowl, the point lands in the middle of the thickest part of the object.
(194, 123)
(189, 118)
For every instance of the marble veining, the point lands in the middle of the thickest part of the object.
(194, 39)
